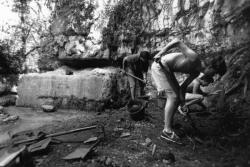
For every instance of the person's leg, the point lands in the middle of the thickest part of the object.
(172, 102)
(141, 84)
(170, 109)
(132, 83)
(190, 98)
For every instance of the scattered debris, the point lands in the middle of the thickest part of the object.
(90, 140)
(8, 157)
(245, 88)
(28, 137)
(154, 149)
(118, 129)
(48, 108)
(11, 118)
(5, 117)
(199, 140)
(42, 142)
(108, 161)
(41, 145)
(42, 135)
(148, 142)
(80, 153)
(192, 141)
(125, 134)
(72, 131)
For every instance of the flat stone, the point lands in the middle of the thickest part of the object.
(89, 89)
(48, 108)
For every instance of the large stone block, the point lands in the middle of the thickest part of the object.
(89, 89)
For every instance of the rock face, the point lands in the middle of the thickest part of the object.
(80, 39)
(214, 25)
(89, 89)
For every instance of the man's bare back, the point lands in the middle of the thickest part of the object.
(178, 62)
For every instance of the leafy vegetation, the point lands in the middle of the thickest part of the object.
(127, 23)
(10, 62)
(78, 18)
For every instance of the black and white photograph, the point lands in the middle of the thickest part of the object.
(124, 83)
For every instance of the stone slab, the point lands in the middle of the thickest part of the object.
(89, 89)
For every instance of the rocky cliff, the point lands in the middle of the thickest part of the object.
(129, 26)
(215, 25)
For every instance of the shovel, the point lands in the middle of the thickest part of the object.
(135, 77)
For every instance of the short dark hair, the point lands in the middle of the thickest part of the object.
(145, 55)
(207, 78)
(216, 65)
(219, 65)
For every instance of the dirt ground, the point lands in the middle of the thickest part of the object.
(223, 139)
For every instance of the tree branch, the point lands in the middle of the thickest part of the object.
(32, 50)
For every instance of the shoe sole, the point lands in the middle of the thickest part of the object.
(168, 139)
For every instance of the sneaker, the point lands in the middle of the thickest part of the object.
(172, 137)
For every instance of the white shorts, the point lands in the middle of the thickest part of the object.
(160, 79)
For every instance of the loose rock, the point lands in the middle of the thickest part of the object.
(48, 108)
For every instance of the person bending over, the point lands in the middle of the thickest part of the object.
(137, 65)
(163, 68)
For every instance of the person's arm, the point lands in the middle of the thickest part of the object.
(184, 86)
(124, 63)
(196, 86)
